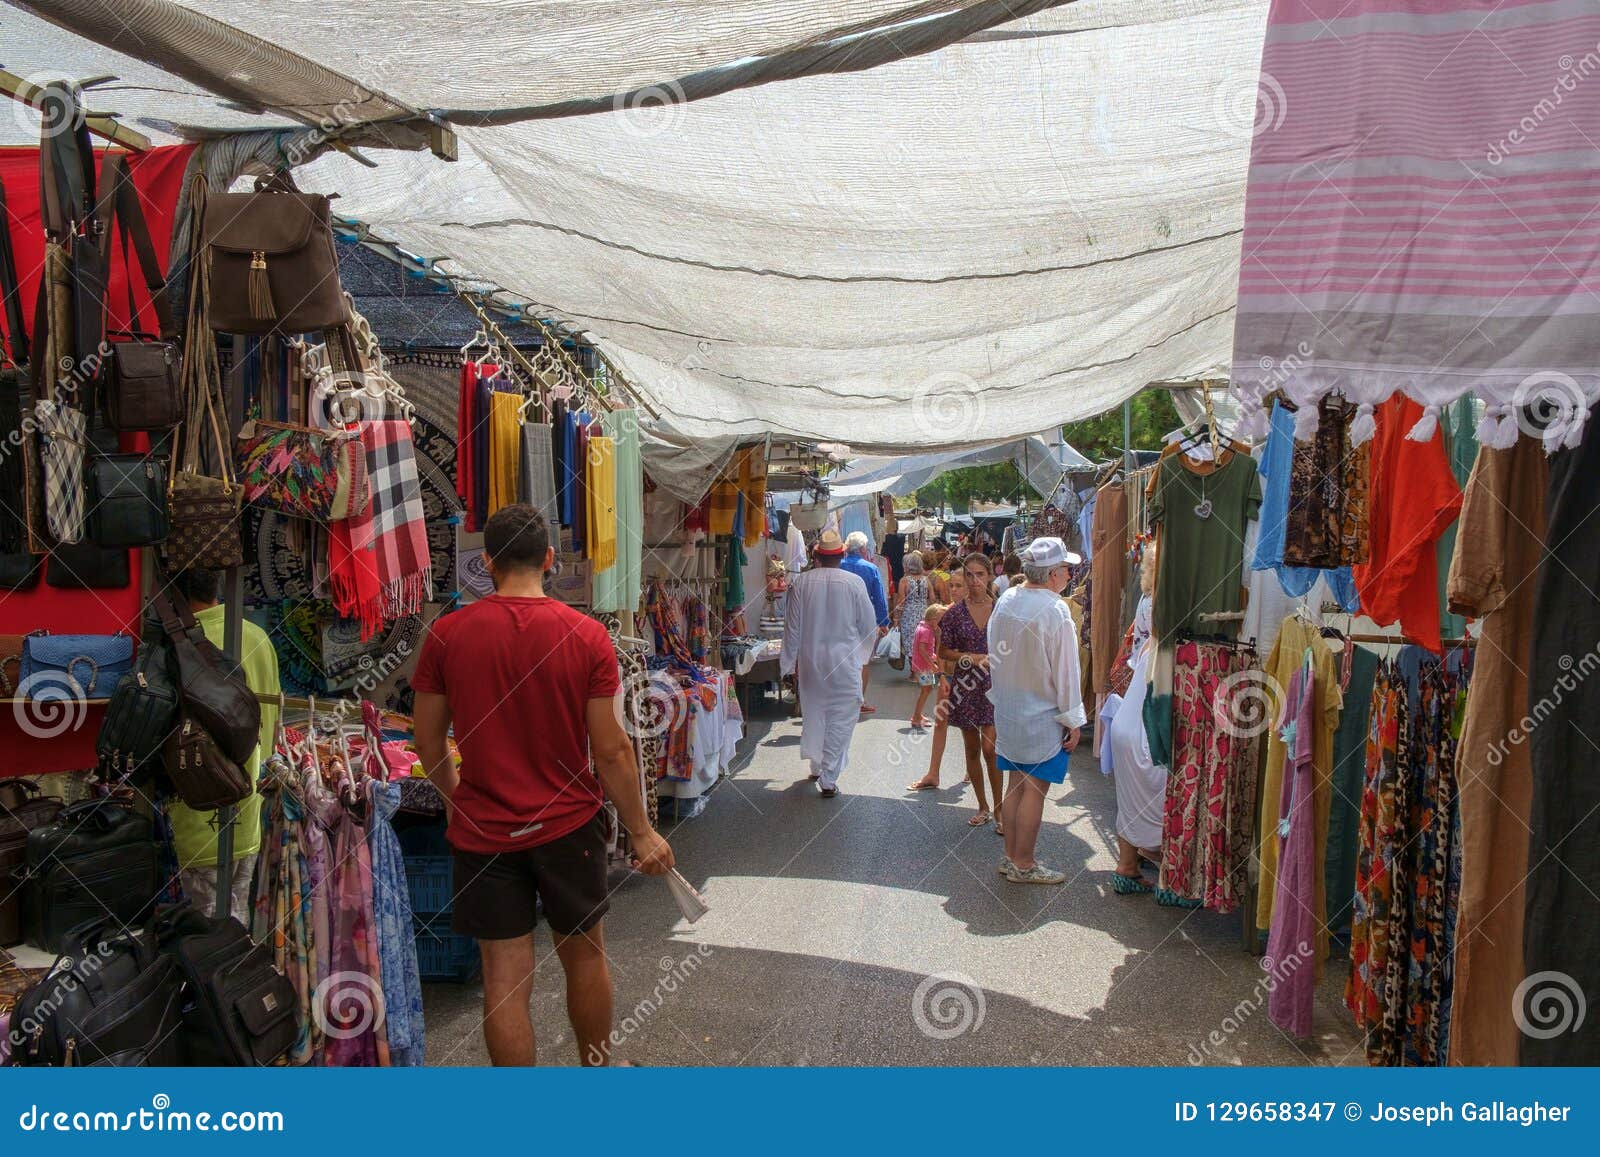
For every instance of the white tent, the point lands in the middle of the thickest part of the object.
(1022, 214)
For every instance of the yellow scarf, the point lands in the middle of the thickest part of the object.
(602, 513)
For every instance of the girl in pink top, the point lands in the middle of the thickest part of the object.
(925, 663)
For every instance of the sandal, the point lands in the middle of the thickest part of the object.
(979, 820)
(1130, 885)
(922, 785)
(999, 828)
(1167, 898)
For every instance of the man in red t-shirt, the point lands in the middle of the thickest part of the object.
(531, 687)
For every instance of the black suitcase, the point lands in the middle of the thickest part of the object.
(111, 999)
(98, 860)
(240, 1010)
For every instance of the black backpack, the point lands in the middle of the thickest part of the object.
(111, 999)
(240, 1010)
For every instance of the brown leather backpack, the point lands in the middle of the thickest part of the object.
(273, 264)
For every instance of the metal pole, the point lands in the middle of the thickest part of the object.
(232, 638)
(1127, 433)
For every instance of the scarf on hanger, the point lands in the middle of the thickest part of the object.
(378, 561)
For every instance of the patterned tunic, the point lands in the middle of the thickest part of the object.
(969, 687)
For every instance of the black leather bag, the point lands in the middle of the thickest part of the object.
(22, 808)
(241, 1010)
(67, 208)
(201, 774)
(19, 566)
(143, 712)
(127, 499)
(88, 566)
(214, 693)
(97, 860)
(112, 998)
(143, 377)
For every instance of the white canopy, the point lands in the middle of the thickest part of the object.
(963, 244)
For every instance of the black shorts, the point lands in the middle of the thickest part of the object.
(496, 894)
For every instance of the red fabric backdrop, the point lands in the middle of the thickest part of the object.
(26, 745)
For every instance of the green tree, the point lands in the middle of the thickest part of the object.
(1099, 439)
(961, 487)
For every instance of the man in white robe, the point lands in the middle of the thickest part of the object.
(829, 630)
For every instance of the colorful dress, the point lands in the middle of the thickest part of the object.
(969, 686)
(1207, 822)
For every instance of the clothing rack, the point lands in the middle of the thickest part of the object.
(558, 362)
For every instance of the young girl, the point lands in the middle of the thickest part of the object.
(925, 663)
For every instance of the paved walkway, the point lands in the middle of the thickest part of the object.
(874, 929)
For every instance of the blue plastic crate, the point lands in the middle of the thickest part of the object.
(431, 882)
(442, 954)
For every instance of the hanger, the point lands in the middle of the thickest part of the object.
(481, 336)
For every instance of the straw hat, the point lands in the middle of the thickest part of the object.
(829, 544)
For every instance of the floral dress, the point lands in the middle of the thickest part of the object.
(912, 608)
(969, 686)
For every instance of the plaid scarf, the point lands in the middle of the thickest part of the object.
(379, 566)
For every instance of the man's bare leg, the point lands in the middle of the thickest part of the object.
(507, 989)
(583, 959)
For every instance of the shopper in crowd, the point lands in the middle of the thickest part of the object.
(194, 834)
(1011, 575)
(829, 629)
(1036, 690)
(938, 565)
(911, 601)
(963, 641)
(531, 687)
(857, 563)
(927, 668)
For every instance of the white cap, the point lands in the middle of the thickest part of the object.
(1048, 552)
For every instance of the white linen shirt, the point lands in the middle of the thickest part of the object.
(1033, 673)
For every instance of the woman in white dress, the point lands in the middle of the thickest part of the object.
(1141, 784)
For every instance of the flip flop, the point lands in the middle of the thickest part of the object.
(920, 786)
(979, 820)
(865, 710)
(1167, 898)
(1130, 885)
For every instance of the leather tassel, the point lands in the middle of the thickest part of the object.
(260, 289)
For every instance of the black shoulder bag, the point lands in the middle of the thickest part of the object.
(212, 691)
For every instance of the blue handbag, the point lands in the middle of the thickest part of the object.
(62, 668)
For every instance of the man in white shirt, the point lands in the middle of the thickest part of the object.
(829, 629)
(1037, 697)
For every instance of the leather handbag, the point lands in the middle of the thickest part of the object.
(143, 711)
(143, 378)
(19, 570)
(127, 496)
(212, 692)
(22, 808)
(98, 859)
(273, 265)
(86, 566)
(67, 205)
(242, 1010)
(61, 668)
(294, 470)
(112, 997)
(202, 510)
(203, 777)
(19, 566)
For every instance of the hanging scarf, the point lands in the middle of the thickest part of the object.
(378, 561)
